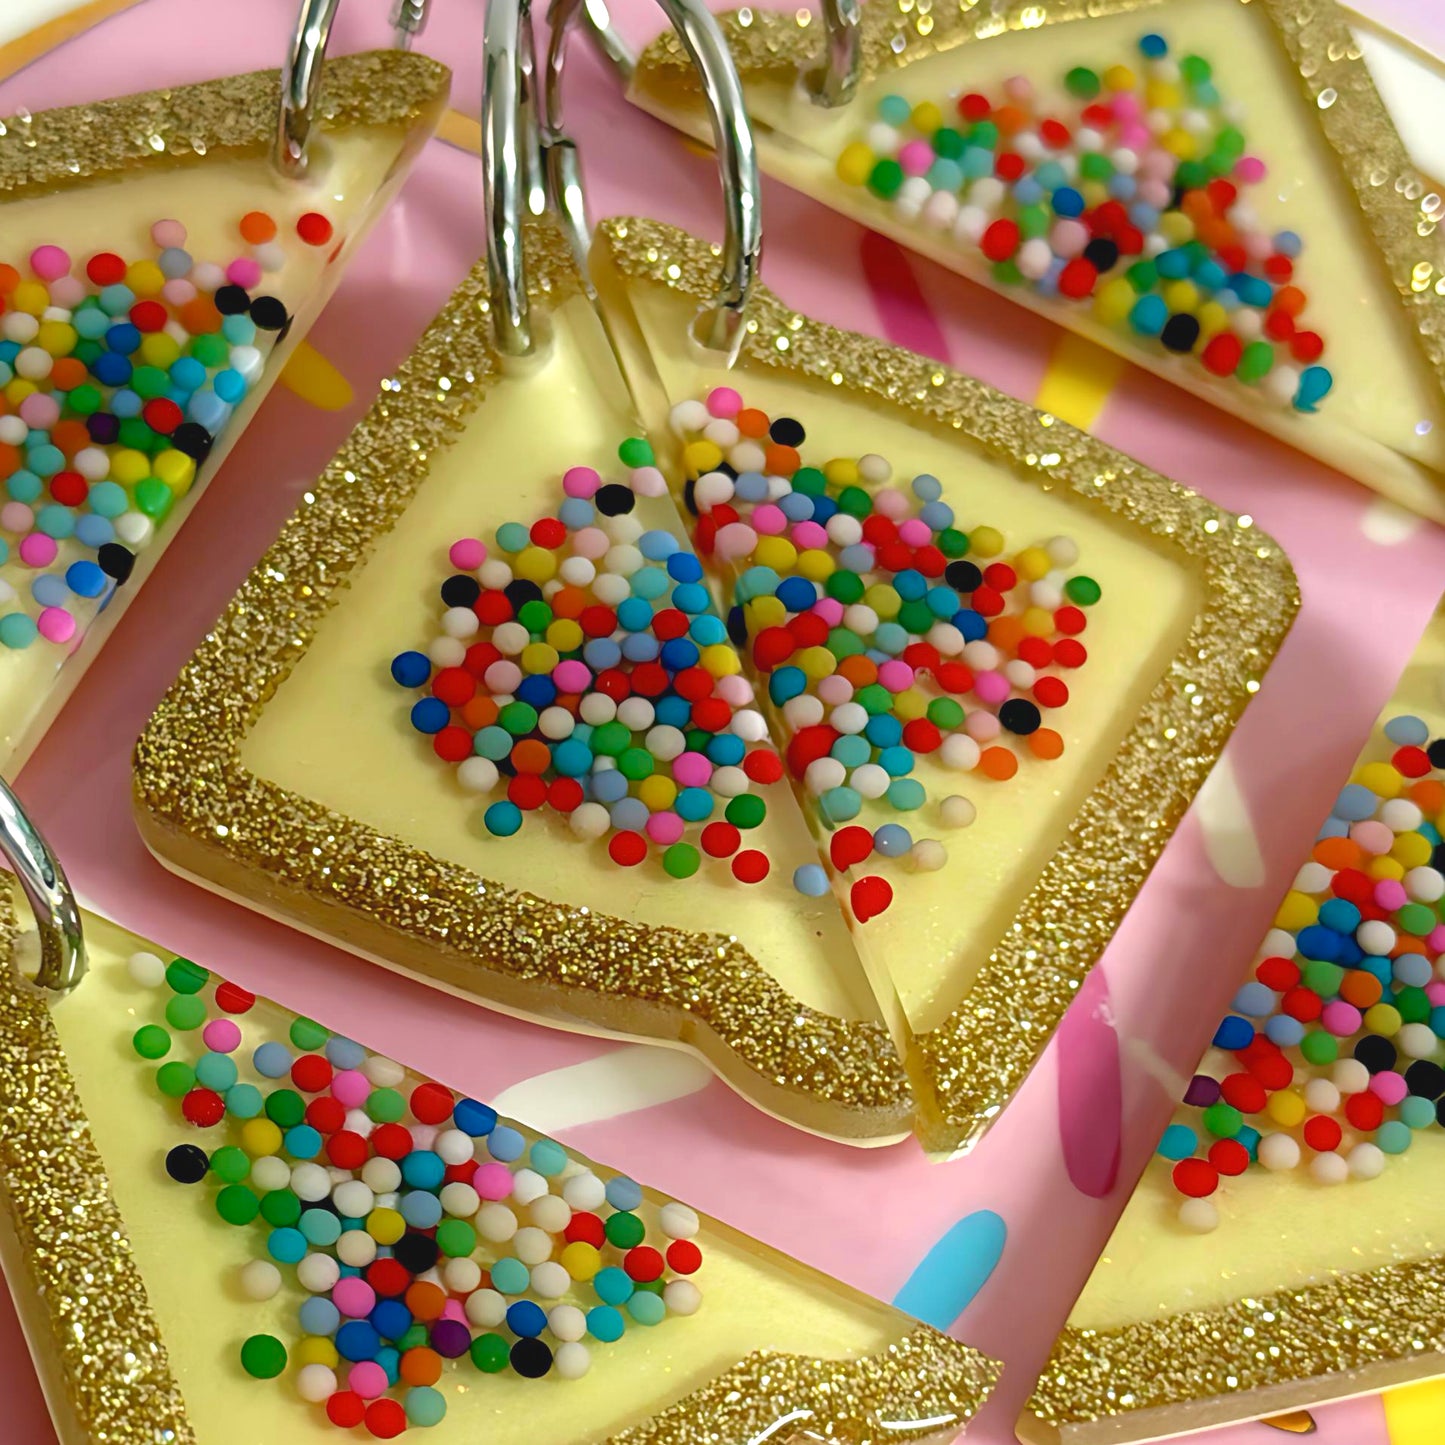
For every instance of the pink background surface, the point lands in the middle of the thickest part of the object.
(1174, 962)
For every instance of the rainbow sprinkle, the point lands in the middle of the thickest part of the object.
(1135, 204)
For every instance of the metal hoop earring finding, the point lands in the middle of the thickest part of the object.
(301, 85)
(57, 916)
(835, 81)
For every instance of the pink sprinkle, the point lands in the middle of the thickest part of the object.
(208, 276)
(17, 517)
(1133, 136)
(168, 233)
(493, 1180)
(1372, 835)
(1126, 105)
(454, 1310)
(221, 1036)
(1390, 893)
(1258, 246)
(664, 828)
(992, 688)
(809, 535)
(467, 554)
(895, 675)
(1436, 938)
(1340, 1018)
(1019, 88)
(591, 542)
(769, 519)
(40, 410)
(691, 770)
(914, 532)
(572, 675)
(890, 502)
(350, 1087)
(734, 689)
(243, 271)
(915, 157)
(830, 609)
(723, 401)
(1155, 193)
(834, 690)
(580, 482)
(178, 290)
(1388, 1086)
(648, 482)
(1250, 170)
(48, 262)
(38, 550)
(1435, 992)
(735, 540)
(502, 676)
(367, 1378)
(1157, 165)
(982, 727)
(353, 1297)
(1068, 238)
(67, 291)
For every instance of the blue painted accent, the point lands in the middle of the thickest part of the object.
(954, 1270)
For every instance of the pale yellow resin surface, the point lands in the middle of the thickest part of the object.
(1385, 398)
(1279, 1231)
(753, 1298)
(348, 184)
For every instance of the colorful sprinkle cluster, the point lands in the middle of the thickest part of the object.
(1135, 205)
(116, 377)
(1333, 1052)
(581, 663)
(418, 1227)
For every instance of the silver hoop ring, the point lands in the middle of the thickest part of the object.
(57, 916)
(835, 81)
(301, 85)
(408, 20)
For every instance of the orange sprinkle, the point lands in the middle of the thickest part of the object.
(859, 670)
(781, 461)
(1006, 633)
(1010, 119)
(1405, 944)
(1046, 743)
(1290, 300)
(1428, 794)
(569, 603)
(69, 435)
(9, 279)
(1338, 853)
(998, 763)
(426, 1301)
(199, 316)
(531, 756)
(1360, 988)
(66, 373)
(479, 712)
(421, 1366)
(9, 459)
(257, 227)
(751, 422)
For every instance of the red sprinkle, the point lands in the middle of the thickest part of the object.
(1000, 240)
(1322, 1133)
(849, 846)
(869, 897)
(1078, 278)
(1196, 1177)
(643, 1263)
(233, 999)
(1229, 1156)
(683, 1256)
(203, 1108)
(751, 866)
(311, 1073)
(627, 849)
(314, 228)
(720, 840)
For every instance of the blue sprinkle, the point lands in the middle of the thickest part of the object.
(810, 880)
(1355, 803)
(1179, 1142)
(1284, 1031)
(1255, 999)
(503, 818)
(272, 1060)
(430, 715)
(630, 815)
(1068, 202)
(1153, 46)
(1407, 731)
(318, 1316)
(526, 1318)
(505, 1143)
(1233, 1033)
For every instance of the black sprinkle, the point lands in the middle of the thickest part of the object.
(531, 1359)
(232, 300)
(689, 496)
(1425, 1079)
(1103, 252)
(962, 576)
(1375, 1053)
(1180, 332)
(192, 439)
(1019, 716)
(268, 313)
(461, 590)
(1436, 753)
(103, 427)
(187, 1164)
(614, 499)
(737, 627)
(727, 469)
(519, 592)
(787, 432)
(115, 561)
(416, 1252)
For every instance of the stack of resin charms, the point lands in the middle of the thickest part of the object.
(1331, 1059)
(1127, 193)
(419, 1232)
(118, 372)
(584, 665)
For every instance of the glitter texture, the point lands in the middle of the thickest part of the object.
(1400, 209)
(966, 1070)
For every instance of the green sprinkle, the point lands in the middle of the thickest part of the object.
(1413, 1004)
(945, 714)
(681, 860)
(810, 480)
(84, 399)
(416, 1335)
(636, 764)
(456, 1238)
(263, 1357)
(237, 1205)
(842, 642)
(535, 615)
(636, 452)
(611, 738)
(230, 1164)
(1318, 1047)
(916, 617)
(952, 543)
(151, 1041)
(490, 1353)
(308, 1035)
(1196, 69)
(1417, 918)
(885, 178)
(183, 976)
(1007, 273)
(844, 586)
(1322, 978)
(1083, 82)
(518, 718)
(1143, 276)
(285, 1108)
(874, 698)
(855, 502)
(153, 497)
(1223, 1120)
(948, 142)
(1083, 591)
(1256, 361)
(384, 1106)
(985, 133)
(1033, 222)
(1094, 167)
(184, 1012)
(747, 810)
(280, 1208)
(624, 1230)
(175, 1079)
(1190, 175)
(211, 349)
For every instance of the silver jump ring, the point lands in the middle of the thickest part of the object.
(301, 85)
(57, 916)
(408, 20)
(835, 81)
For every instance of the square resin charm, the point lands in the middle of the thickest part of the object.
(821, 715)
(1210, 188)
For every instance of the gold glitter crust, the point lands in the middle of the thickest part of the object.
(83, 144)
(1351, 1325)
(966, 1070)
(105, 1361)
(67, 1249)
(1400, 209)
(207, 814)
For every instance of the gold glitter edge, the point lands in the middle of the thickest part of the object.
(203, 811)
(1400, 210)
(966, 1070)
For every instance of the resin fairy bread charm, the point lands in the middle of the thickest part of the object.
(156, 270)
(1308, 1146)
(1210, 188)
